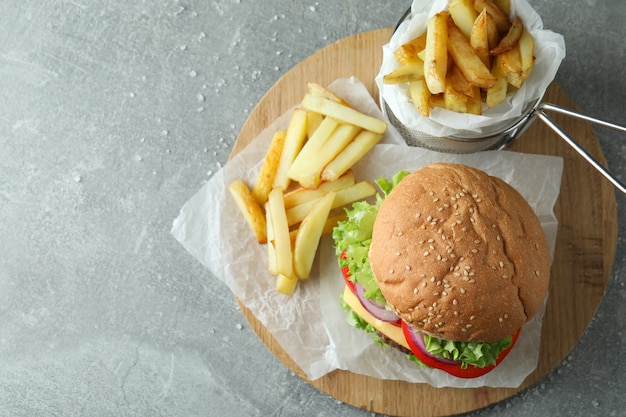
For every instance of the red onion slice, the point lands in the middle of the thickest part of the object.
(375, 309)
(418, 340)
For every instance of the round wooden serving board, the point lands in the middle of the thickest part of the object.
(585, 247)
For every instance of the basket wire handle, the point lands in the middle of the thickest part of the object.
(540, 113)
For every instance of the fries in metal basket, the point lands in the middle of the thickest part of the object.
(473, 39)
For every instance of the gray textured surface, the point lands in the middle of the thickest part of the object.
(112, 114)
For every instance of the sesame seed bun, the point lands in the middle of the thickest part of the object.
(460, 254)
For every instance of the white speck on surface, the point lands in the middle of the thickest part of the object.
(200, 97)
(165, 132)
(192, 73)
(201, 36)
(182, 47)
(239, 326)
(78, 178)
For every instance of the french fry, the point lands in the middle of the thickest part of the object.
(343, 113)
(310, 176)
(527, 52)
(265, 180)
(436, 100)
(312, 147)
(504, 5)
(466, 59)
(280, 230)
(502, 20)
(408, 51)
(458, 82)
(286, 285)
(497, 93)
(304, 195)
(350, 155)
(479, 38)
(463, 14)
(454, 101)
(313, 121)
(420, 95)
(271, 249)
(250, 209)
(436, 52)
(294, 140)
(511, 38)
(510, 65)
(321, 91)
(411, 71)
(359, 191)
(475, 104)
(309, 234)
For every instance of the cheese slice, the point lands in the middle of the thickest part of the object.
(393, 332)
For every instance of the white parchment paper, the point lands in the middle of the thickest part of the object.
(310, 324)
(549, 52)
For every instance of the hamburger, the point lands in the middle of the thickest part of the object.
(446, 265)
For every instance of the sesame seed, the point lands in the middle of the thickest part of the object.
(474, 195)
(436, 199)
(477, 241)
(472, 273)
(426, 253)
(537, 273)
(429, 218)
(501, 264)
(444, 293)
(464, 330)
(478, 200)
(400, 233)
(498, 238)
(418, 215)
(415, 290)
(505, 276)
(438, 282)
(391, 271)
(500, 320)
(431, 247)
(408, 267)
(474, 250)
(463, 290)
(398, 254)
(432, 279)
(444, 259)
(455, 302)
(468, 326)
(472, 317)
(506, 316)
(472, 281)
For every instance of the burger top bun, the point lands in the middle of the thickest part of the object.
(460, 254)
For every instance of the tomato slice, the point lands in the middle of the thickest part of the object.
(345, 272)
(453, 368)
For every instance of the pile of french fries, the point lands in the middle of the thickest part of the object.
(471, 53)
(305, 181)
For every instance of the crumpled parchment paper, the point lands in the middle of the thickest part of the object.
(310, 324)
(549, 52)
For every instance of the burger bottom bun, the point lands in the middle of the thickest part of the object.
(460, 254)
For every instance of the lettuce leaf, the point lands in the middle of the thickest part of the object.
(469, 353)
(353, 237)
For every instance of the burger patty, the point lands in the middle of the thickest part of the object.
(392, 343)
